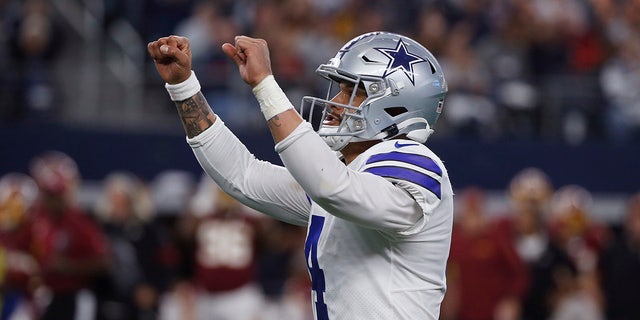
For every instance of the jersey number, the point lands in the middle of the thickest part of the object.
(224, 244)
(317, 275)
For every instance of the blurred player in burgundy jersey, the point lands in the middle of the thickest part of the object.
(18, 269)
(530, 192)
(67, 244)
(486, 278)
(224, 235)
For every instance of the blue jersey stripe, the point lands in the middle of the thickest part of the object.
(414, 159)
(308, 198)
(413, 176)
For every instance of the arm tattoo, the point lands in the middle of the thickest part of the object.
(274, 122)
(196, 114)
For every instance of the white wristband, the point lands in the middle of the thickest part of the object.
(272, 99)
(185, 89)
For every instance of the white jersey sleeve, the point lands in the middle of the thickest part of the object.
(412, 167)
(258, 184)
(362, 198)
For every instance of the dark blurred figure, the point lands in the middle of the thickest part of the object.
(279, 269)
(470, 112)
(574, 231)
(34, 39)
(18, 268)
(68, 245)
(486, 279)
(620, 74)
(143, 258)
(620, 268)
(530, 193)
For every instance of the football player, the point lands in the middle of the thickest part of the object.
(18, 268)
(69, 246)
(379, 214)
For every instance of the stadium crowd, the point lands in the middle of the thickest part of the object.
(566, 70)
(174, 247)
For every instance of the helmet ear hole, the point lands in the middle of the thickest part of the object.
(395, 111)
(433, 68)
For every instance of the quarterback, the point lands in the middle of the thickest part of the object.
(378, 203)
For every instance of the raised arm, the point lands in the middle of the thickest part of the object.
(252, 57)
(258, 184)
(172, 58)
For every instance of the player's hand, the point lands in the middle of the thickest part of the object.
(252, 57)
(172, 57)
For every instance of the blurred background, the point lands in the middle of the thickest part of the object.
(550, 85)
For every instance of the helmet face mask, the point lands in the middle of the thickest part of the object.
(404, 84)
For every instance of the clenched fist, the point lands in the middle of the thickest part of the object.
(172, 57)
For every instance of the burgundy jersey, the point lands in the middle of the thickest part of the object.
(225, 252)
(72, 236)
(488, 269)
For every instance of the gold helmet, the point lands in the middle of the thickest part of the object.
(17, 194)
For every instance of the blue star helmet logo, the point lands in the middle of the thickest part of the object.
(401, 59)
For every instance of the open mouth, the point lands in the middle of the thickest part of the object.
(332, 119)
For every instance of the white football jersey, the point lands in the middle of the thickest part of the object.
(379, 229)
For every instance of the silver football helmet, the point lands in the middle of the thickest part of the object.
(405, 89)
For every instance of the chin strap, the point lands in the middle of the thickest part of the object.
(418, 135)
(335, 142)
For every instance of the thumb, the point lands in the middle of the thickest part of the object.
(232, 52)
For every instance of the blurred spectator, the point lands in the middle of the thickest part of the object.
(469, 110)
(620, 267)
(35, 39)
(143, 259)
(171, 190)
(570, 95)
(529, 194)
(486, 279)
(69, 246)
(505, 52)
(620, 80)
(18, 269)
(432, 28)
(583, 240)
